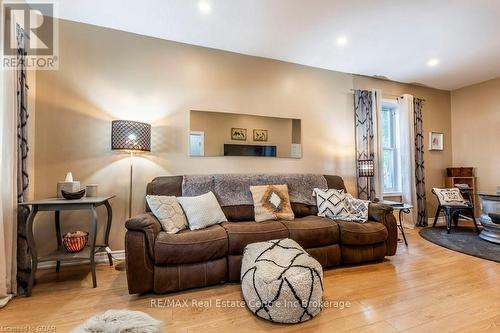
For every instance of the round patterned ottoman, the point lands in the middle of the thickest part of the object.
(281, 282)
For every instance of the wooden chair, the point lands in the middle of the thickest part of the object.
(452, 207)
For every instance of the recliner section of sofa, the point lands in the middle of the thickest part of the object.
(160, 262)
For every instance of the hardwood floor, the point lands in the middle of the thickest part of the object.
(425, 288)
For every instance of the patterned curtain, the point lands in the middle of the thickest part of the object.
(365, 139)
(419, 163)
(23, 258)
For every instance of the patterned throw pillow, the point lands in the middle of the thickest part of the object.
(271, 202)
(168, 211)
(331, 203)
(202, 211)
(358, 209)
(450, 196)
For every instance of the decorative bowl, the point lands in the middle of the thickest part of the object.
(75, 241)
(73, 195)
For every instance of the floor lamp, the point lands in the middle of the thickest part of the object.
(130, 136)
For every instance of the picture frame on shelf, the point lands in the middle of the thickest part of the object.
(436, 141)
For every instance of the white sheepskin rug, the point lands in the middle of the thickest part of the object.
(120, 321)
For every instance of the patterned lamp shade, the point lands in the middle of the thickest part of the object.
(130, 135)
(366, 168)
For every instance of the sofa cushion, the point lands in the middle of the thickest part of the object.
(355, 254)
(238, 213)
(302, 210)
(240, 234)
(353, 233)
(189, 246)
(313, 231)
(246, 212)
(169, 185)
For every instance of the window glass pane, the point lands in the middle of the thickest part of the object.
(390, 158)
(386, 128)
(388, 170)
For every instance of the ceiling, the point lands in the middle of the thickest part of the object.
(396, 39)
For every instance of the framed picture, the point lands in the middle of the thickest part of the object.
(259, 135)
(239, 134)
(436, 141)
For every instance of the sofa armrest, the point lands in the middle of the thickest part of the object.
(381, 213)
(378, 211)
(140, 265)
(149, 225)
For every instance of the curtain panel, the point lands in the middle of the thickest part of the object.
(367, 105)
(412, 157)
(9, 84)
(419, 163)
(23, 257)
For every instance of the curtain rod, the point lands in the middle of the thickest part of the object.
(388, 95)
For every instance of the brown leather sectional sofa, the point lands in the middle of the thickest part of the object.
(160, 262)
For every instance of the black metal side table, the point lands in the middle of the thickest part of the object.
(400, 208)
(406, 209)
(60, 254)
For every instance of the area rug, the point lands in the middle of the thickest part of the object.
(120, 321)
(464, 240)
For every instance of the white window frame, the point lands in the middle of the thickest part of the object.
(202, 148)
(395, 148)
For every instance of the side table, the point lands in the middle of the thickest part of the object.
(60, 254)
(401, 208)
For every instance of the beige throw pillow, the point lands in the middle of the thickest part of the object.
(450, 196)
(168, 211)
(271, 202)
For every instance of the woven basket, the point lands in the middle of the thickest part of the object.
(75, 241)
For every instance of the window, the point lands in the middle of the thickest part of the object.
(391, 174)
(196, 144)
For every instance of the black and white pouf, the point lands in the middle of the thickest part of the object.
(281, 282)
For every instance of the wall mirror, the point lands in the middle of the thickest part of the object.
(234, 134)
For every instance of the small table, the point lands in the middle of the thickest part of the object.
(57, 205)
(403, 208)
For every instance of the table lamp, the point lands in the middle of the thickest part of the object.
(130, 136)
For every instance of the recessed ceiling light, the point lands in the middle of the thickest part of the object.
(341, 40)
(433, 62)
(205, 7)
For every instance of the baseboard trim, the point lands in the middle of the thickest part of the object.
(441, 219)
(100, 258)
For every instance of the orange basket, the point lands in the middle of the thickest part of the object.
(75, 241)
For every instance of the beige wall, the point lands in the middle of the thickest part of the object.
(475, 119)
(217, 128)
(107, 74)
(436, 117)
